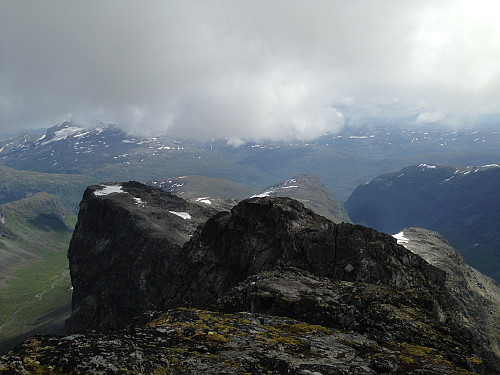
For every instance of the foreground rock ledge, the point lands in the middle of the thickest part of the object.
(190, 341)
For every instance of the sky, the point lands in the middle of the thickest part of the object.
(246, 70)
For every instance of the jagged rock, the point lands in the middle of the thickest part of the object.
(262, 234)
(124, 239)
(475, 297)
(189, 341)
(383, 314)
(361, 302)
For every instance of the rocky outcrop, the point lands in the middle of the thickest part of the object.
(295, 293)
(263, 234)
(475, 297)
(123, 242)
(189, 341)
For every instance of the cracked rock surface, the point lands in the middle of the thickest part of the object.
(190, 341)
(267, 288)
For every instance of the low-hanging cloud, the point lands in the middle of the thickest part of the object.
(247, 69)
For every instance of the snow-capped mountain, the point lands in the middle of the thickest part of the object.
(70, 148)
(342, 161)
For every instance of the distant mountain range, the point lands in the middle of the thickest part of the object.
(462, 203)
(342, 161)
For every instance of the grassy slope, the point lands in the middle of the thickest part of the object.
(15, 185)
(35, 287)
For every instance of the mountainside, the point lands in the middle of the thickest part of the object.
(342, 161)
(312, 193)
(463, 204)
(223, 194)
(35, 291)
(16, 185)
(37, 217)
(194, 187)
(475, 296)
(124, 239)
(217, 193)
(296, 293)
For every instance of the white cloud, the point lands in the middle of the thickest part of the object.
(248, 69)
(425, 118)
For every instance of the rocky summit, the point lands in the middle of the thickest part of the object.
(123, 241)
(267, 288)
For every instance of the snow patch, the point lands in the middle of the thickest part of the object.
(81, 134)
(184, 215)
(482, 166)
(266, 193)
(401, 238)
(139, 202)
(1, 149)
(289, 187)
(427, 166)
(63, 134)
(203, 200)
(109, 189)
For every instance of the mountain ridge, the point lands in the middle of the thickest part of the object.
(310, 191)
(356, 153)
(364, 303)
(475, 295)
(462, 203)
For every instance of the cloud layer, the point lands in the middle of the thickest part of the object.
(245, 69)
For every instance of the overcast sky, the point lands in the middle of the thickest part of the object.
(246, 69)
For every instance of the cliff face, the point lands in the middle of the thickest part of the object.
(295, 293)
(475, 297)
(124, 240)
(263, 234)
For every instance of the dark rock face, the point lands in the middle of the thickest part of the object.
(121, 247)
(262, 234)
(355, 301)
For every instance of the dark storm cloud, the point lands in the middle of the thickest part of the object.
(245, 69)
